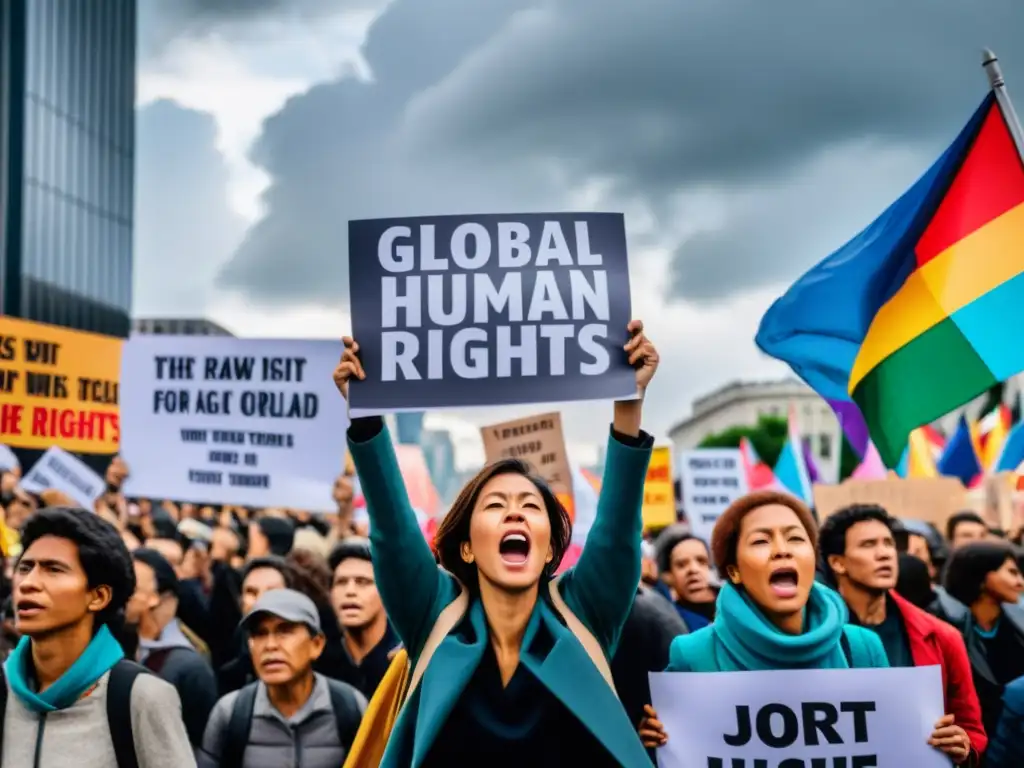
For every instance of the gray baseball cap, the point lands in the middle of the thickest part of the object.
(286, 604)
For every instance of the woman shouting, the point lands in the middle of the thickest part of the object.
(521, 673)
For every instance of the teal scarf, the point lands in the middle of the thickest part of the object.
(102, 653)
(749, 641)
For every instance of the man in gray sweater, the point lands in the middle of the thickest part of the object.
(69, 697)
(291, 715)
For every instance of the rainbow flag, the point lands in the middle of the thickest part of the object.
(919, 313)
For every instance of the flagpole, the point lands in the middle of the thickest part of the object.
(995, 78)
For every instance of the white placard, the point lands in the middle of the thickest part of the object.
(66, 473)
(255, 422)
(711, 480)
(7, 459)
(872, 718)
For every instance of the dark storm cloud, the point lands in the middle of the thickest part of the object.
(161, 21)
(184, 226)
(517, 102)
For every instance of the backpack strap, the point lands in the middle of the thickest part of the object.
(584, 635)
(347, 711)
(854, 649)
(448, 619)
(3, 707)
(119, 707)
(236, 735)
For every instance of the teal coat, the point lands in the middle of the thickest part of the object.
(742, 639)
(599, 590)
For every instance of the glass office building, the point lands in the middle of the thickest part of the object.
(67, 127)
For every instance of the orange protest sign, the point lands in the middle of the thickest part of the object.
(58, 387)
(659, 494)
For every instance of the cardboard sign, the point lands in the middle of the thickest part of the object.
(68, 474)
(537, 440)
(659, 496)
(806, 718)
(931, 499)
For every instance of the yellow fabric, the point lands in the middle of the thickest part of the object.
(10, 541)
(381, 713)
(920, 461)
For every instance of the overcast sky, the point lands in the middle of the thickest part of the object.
(744, 140)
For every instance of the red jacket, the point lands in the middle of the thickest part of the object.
(933, 641)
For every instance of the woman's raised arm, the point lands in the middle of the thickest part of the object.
(413, 589)
(602, 586)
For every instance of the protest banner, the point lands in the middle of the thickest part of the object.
(456, 311)
(711, 480)
(537, 440)
(220, 420)
(931, 499)
(58, 387)
(659, 493)
(808, 718)
(8, 460)
(63, 472)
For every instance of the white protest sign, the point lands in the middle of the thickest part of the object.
(218, 420)
(66, 473)
(7, 459)
(711, 480)
(831, 718)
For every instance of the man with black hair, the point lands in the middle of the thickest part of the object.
(367, 637)
(271, 536)
(70, 697)
(164, 648)
(685, 565)
(291, 715)
(964, 528)
(858, 546)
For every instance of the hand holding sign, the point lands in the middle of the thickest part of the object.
(349, 366)
(642, 354)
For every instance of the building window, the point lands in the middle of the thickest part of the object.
(825, 446)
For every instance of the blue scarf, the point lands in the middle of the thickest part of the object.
(749, 641)
(102, 653)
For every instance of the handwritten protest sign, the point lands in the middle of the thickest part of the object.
(489, 310)
(711, 480)
(659, 507)
(537, 440)
(61, 471)
(833, 718)
(232, 421)
(58, 387)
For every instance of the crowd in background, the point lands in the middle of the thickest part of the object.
(259, 638)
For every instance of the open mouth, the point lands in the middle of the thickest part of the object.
(784, 582)
(351, 607)
(269, 666)
(28, 608)
(514, 548)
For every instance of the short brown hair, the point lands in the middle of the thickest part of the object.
(726, 533)
(454, 528)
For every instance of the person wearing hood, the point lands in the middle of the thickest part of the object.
(164, 648)
(772, 613)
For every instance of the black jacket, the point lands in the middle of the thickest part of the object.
(195, 682)
(990, 690)
(643, 647)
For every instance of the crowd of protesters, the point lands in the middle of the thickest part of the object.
(151, 634)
